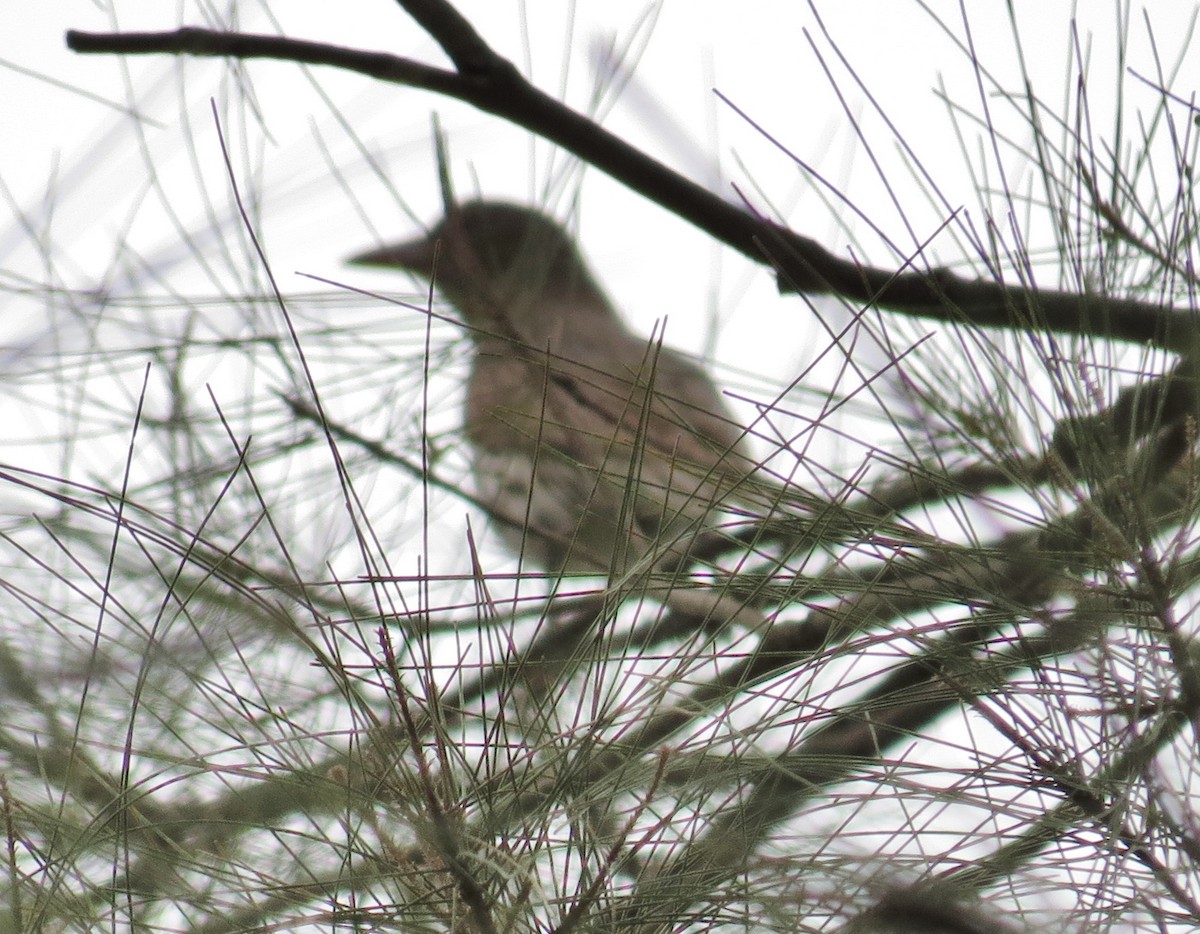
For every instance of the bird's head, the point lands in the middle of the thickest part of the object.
(494, 261)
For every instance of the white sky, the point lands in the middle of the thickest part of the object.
(758, 54)
(80, 175)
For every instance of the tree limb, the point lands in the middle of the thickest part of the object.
(493, 84)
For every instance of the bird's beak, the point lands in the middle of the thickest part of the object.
(414, 255)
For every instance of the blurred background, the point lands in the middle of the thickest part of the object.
(200, 578)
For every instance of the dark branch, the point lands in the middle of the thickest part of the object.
(492, 84)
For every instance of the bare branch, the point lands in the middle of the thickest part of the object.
(493, 84)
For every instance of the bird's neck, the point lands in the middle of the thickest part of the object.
(542, 317)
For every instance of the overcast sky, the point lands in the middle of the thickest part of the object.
(778, 61)
(873, 108)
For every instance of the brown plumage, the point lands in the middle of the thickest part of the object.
(594, 447)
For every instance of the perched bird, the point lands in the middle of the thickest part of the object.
(595, 448)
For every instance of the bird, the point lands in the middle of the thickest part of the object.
(598, 451)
